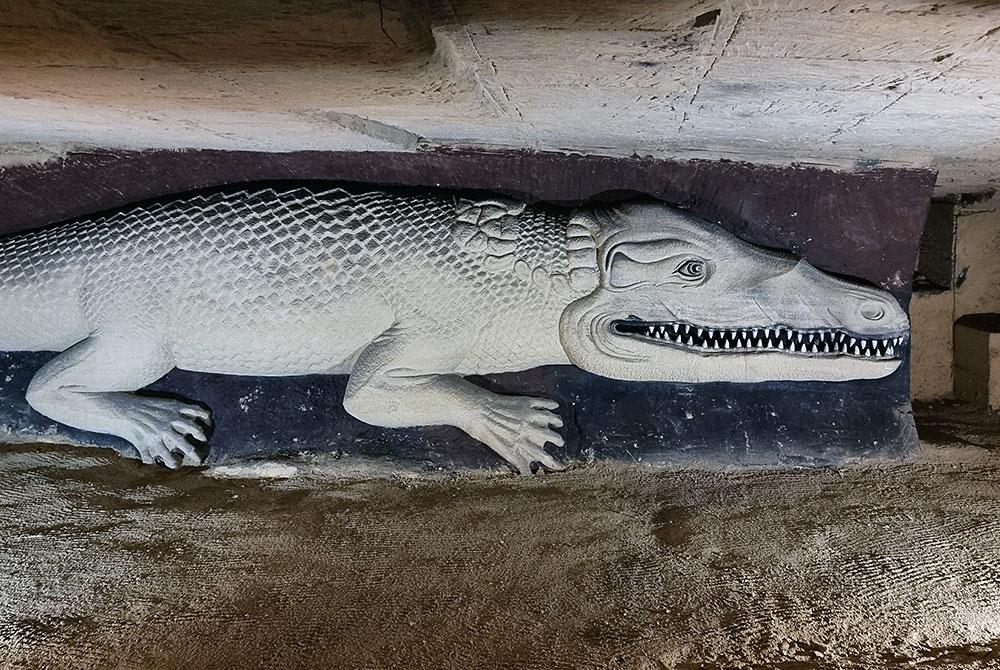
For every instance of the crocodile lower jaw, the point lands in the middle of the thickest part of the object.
(763, 339)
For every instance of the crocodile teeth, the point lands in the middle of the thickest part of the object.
(762, 339)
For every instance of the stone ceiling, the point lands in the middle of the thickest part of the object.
(848, 84)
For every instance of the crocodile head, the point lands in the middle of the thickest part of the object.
(680, 299)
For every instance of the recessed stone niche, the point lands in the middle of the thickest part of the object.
(977, 360)
(855, 233)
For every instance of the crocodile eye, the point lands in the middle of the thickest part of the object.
(693, 269)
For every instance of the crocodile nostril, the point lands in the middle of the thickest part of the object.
(872, 311)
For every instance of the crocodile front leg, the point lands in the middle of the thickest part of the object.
(391, 386)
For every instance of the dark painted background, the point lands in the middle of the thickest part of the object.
(863, 224)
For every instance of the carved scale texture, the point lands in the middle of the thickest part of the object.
(287, 281)
(530, 241)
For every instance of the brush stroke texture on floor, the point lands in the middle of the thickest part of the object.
(107, 564)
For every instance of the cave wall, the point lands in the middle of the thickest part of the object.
(971, 285)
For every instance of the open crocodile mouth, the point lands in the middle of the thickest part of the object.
(780, 339)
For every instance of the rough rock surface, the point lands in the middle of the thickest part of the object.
(106, 564)
(855, 83)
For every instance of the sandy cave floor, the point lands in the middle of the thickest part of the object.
(106, 564)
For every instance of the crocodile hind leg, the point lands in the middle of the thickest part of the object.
(390, 386)
(91, 386)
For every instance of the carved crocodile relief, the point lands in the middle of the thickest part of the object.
(408, 294)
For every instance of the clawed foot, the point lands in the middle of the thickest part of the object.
(161, 426)
(517, 428)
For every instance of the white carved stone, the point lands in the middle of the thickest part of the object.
(408, 295)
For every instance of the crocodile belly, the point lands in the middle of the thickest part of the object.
(267, 338)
